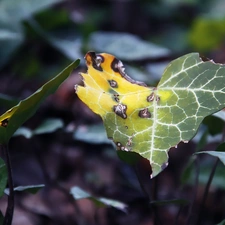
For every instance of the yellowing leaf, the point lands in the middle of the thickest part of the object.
(147, 120)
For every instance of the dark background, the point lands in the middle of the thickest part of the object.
(37, 40)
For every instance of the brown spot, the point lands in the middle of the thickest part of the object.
(113, 83)
(151, 97)
(157, 98)
(204, 58)
(117, 66)
(144, 113)
(4, 123)
(116, 98)
(96, 60)
(120, 110)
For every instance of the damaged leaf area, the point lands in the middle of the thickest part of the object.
(151, 120)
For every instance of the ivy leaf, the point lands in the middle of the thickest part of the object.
(151, 120)
(12, 119)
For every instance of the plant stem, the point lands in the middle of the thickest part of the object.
(143, 171)
(10, 207)
(206, 191)
(190, 211)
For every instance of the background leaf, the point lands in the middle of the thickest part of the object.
(17, 115)
(220, 155)
(48, 126)
(79, 193)
(3, 176)
(11, 15)
(33, 189)
(92, 134)
(125, 46)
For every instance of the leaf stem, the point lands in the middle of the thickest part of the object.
(10, 207)
(190, 211)
(143, 171)
(206, 191)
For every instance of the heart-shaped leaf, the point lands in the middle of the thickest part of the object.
(151, 120)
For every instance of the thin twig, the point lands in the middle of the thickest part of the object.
(10, 207)
(190, 211)
(143, 171)
(206, 191)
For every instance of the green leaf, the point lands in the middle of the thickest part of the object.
(214, 124)
(221, 223)
(33, 189)
(3, 177)
(148, 120)
(21, 9)
(70, 45)
(220, 114)
(8, 101)
(220, 155)
(12, 119)
(125, 46)
(11, 15)
(79, 193)
(94, 134)
(48, 126)
(204, 27)
(11, 37)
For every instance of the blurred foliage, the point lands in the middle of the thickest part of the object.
(79, 193)
(201, 37)
(12, 13)
(32, 189)
(39, 37)
(47, 126)
(12, 119)
(3, 177)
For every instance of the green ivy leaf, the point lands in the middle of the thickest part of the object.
(148, 120)
(12, 119)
